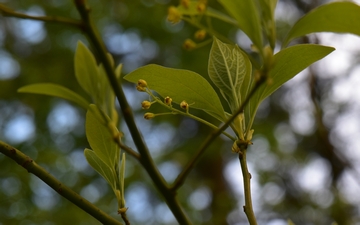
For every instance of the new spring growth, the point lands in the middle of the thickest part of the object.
(174, 16)
(141, 85)
(168, 100)
(200, 35)
(149, 116)
(201, 6)
(145, 105)
(189, 44)
(185, 3)
(184, 105)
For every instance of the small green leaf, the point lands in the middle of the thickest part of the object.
(228, 68)
(121, 179)
(340, 17)
(287, 63)
(248, 18)
(180, 85)
(86, 70)
(100, 138)
(268, 20)
(56, 91)
(101, 167)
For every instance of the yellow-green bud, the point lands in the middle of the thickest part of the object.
(200, 35)
(174, 16)
(139, 88)
(185, 3)
(122, 210)
(145, 105)
(184, 105)
(201, 7)
(189, 44)
(235, 148)
(149, 116)
(142, 83)
(168, 100)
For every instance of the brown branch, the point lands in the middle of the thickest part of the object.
(7, 12)
(32, 167)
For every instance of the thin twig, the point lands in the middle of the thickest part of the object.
(145, 158)
(182, 176)
(248, 209)
(125, 219)
(7, 12)
(127, 149)
(32, 167)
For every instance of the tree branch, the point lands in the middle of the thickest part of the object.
(248, 209)
(32, 167)
(145, 158)
(7, 12)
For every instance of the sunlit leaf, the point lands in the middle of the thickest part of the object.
(56, 91)
(228, 68)
(180, 85)
(100, 166)
(247, 16)
(288, 63)
(100, 138)
(86, 70)
(340, 17)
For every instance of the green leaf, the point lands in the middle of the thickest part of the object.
(101, 167)
(228, 68)
(287, 63)
(268, 20)
(86, 70)
(340, 17)
(56, 91)
(180, 85)
(122, 178)
(247, 16)
(100, 138)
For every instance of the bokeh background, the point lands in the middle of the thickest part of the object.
(306, 153)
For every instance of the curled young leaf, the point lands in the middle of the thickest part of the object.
(230, 70)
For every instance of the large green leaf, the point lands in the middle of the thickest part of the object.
(228, 68)
(287, 63)
(55, 90)
(180, 85)
(100, 138)
(101, 167)
(340, 17)
(86, 70)
(247, 15)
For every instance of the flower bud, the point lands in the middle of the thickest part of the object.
(168, 100)
(174, 16)
(201, 7)
(139, 88)
(185, 3)
(235, 148)
(200, 35)
(145, 105)
(142, 83)
(184, 105)
(149, 116)
(189, 44)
